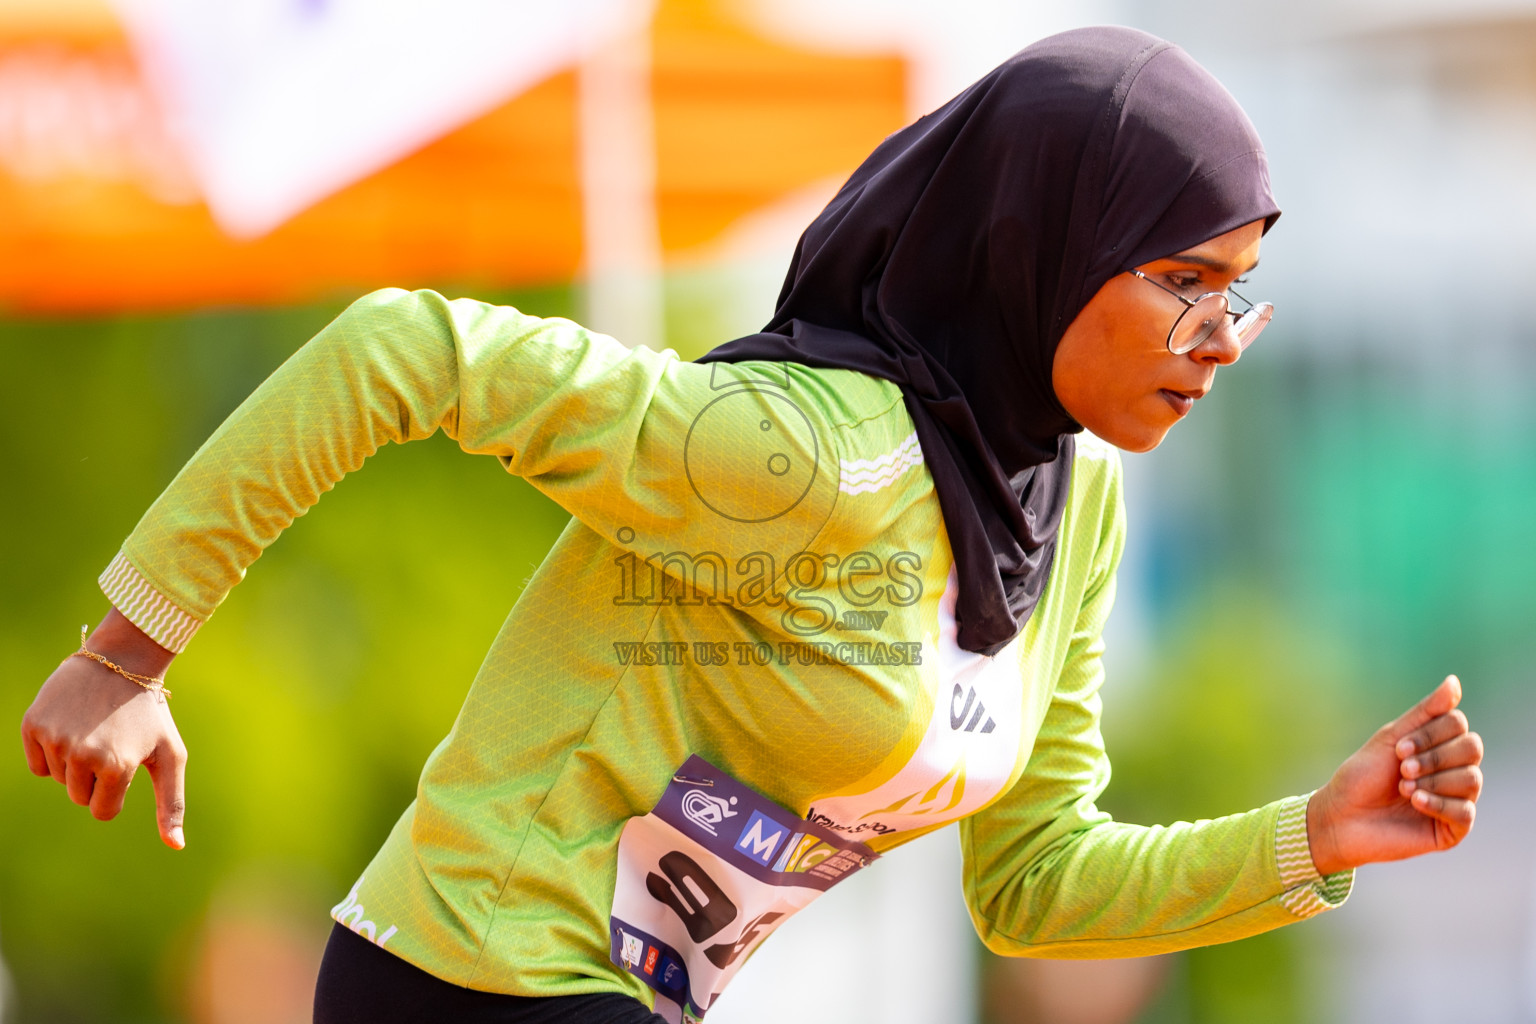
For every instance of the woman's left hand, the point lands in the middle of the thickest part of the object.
(1411, 789)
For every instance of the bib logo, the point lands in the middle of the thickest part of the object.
(706, 811)
(760, 838)
(633, 949)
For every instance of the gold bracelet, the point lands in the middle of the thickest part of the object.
(154, 684)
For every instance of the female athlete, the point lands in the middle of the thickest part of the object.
(832, 587)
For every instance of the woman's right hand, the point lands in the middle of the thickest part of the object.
(90, 728)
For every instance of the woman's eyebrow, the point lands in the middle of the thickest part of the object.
(1219, 266)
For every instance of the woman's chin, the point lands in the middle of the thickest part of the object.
(1142, 444)
(1133, 436)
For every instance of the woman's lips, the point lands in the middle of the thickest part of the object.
(1180, 401)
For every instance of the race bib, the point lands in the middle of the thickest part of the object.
(706, 877)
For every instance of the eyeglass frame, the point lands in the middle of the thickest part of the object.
(1191, 303)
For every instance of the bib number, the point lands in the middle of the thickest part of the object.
(706, 876)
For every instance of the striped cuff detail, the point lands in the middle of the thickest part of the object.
(144, 606)
(1306, 892)
(1325, 894)
(1293, 854)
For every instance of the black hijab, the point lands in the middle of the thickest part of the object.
(957, 254)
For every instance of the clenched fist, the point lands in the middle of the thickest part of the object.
(1411, 789)
(90, 729)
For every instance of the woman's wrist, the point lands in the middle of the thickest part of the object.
(129, 646)
(1325, 859)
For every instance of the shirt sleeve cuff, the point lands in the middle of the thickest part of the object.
(1306, 892)
(144, 606)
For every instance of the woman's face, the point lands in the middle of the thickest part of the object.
(1113, 372)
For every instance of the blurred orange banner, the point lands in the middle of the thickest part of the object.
(100, 210)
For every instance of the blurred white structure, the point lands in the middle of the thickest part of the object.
(620, 236)
(279, 103)
(949, 44)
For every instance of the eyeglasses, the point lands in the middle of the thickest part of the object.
(1204, 314)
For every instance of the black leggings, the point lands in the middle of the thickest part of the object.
(363, 984)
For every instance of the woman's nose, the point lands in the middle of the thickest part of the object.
(1222, 347)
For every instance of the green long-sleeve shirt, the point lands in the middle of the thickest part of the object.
(757, 574)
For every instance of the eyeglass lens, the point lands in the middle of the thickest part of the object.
(1200, 321)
